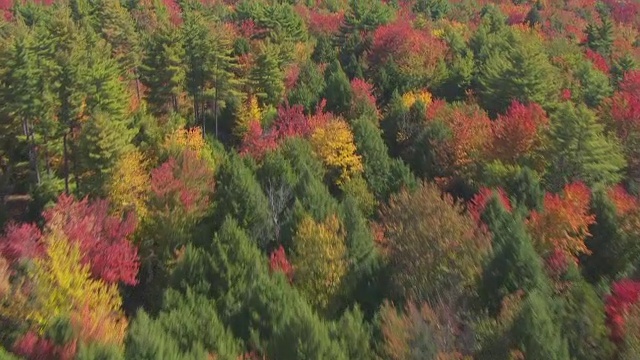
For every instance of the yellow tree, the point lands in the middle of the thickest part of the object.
(59, 285)
(410, 98)
(319, 259)
(182, 139)
(249, 112)
(128, 188)
(334, 144)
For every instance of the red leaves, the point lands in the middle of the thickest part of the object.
(598, 60)
(320, 22)
(278, 262)
(31, 346)
(625, 105)
(564, 221)
(479, 202)
(291, 122)
(183, 184)
(362, 96)
(415, 51)
(103, 239)
(256, 143)
(624, 294)
(517, 132)
(623, 201)
(21, 241)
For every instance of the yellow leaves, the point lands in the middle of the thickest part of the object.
(410, 98)
(186, 139)
(4, 278)
(319, 259)
(63, 287)
(248, 113)
(128, 187)
(334, 144)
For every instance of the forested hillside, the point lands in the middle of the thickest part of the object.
(320, 179)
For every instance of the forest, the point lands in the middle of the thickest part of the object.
(320, 179)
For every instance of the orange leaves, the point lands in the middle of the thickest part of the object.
(564, 221)
(517, 133)
(622, 200)
(334, 144)
(470, 131)
(415, 51)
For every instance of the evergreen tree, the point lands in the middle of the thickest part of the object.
(433, 9)
(375, 159)
(595, 85)
(621, 67)
(363, 278)
(337, 90)
(536, 334)
(239, 195)
(309, 87)
(614, 250)
(600, 38)
(209, 77)
(525, 189)
(162, 70)
(514, 264)
(580, 150)
(267, 76)
(582, 321)
(516, 68)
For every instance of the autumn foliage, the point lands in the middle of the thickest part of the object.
(334, 144)
(518, 132)
(278, 262)
(563, 223)
(624, 294)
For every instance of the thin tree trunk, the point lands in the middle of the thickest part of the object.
(66, 163)
(33, 156)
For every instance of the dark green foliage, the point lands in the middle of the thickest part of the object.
(514, 264)
(147, 340)
(354, 335)
(94, 351)
(375, 159)
(209, 66)
(600, 37)
(580, 150)
(162, 70)
(279, 19)
(525, 189)
(309, 88)
(582, 322)
(364, 261)
(239, 194)
(595, 85)
(512, 66)
(615, 250)
(621, 67)
(266, 76)
(434, 9)
(337, 90)
(535, 332)
(261, 309)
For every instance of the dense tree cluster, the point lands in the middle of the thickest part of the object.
(353, 179)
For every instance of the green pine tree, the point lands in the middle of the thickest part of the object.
(239, 195)
(580, 150)
(267, 75)
(337, 90)
(514, 264)
(162, 70)
(536, 333)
